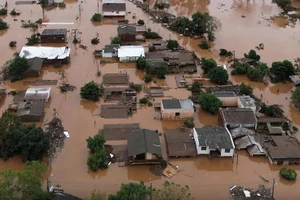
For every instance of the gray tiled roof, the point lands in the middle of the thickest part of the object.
(124, 29)
(54, 31)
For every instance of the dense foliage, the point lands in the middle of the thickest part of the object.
(33, 39)
(97, 17)
(115, 40)
(254, 73)
(161, 71)
(209, 102)
(90, 91)
(44, 4)
(3, 11)
(296, 97)
(252, 55)
(288, 174)
(245, 89)
(3, 25)
(271, 111)
(189, 123)
(141, 63)
(172, 191)
(149, 34)
(281, 71)
(16, 68)
(132, 191)
(25, 185)
(147, 78)
(204, 45)
(98, 158)
(282, 3)
(207, 64)
(141, 22)
(196, 88)
(224, 52)
(172, 44)
(218, 75)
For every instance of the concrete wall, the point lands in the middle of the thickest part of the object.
(128, 59)
(114, 14)
(170, 114)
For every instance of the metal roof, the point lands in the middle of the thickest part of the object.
(184, 104)
(37, 93)
(131, 51)
(143, 141)
(126, 29)
(224, 94)
(35, 64)
(54, 32)
(111, 48)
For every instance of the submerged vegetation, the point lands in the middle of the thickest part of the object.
(97, 17)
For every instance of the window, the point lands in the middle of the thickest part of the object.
(177, 114)
(227, 150)
(203, 148)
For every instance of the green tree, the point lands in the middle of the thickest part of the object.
(296, 97)
(288, 174)
(149, 34)
(196, 88)
(189, 123)
(96, 144)
(253, 74)
(239, 70)
(252, 55)
(141, 22)
(115, 40)
(208, 64)
(282, 3)
(218, 75)
(44, 4)
(213, 25)
(141, 63)
(281, 71)
(25, 185)
(3, 25)
(96, 195)
(16, 68)
(161, 72)
(147, 78)
(199, 23)
(97, 17)
(172, 191)
(209, 102)
(172, 44)
(245, 89)
(132, 191)
(3, 11)
(204, 45)
(90, 91)
(8, 122)
(180, 25)
(98, 160)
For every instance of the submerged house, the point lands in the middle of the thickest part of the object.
(237, 117)
(39, 94)
(110, 51)
(115, 79)
(113, 8)
(213, 141)
(130, 53)
(177, 109)
(35, 66)
(143, 147)
(30, 111)
(228, 98)
(127, 33)
(54, 36)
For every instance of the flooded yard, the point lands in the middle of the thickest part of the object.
(81, 118)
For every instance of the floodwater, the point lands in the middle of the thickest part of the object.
(204, 176)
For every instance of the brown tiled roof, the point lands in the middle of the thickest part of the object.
(118, 131)
(238, 116)
(115, 78)
(116, 7)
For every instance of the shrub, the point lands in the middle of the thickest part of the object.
(3, 25)
(207, 64)
(239, 70)
(252, 55)
(172, 44)
(141, 22)
(95, 41)
(218, 75)
(90, 91)
(253, 74)
(12, 44)
(147, 78)
(245, 89)
(288, 174)
(152, 48)
(33, 39)
(3, 11)
(115, 40)
(143, 100)
(151, 35)
(204, 45)
(165, 19)
(209, 102)
(189, 123)
(136, 87)
(14, 13)
(196, 88)
(223, 52)
(97, 17)
(141, 63)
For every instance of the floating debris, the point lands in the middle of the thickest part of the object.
(65, 87)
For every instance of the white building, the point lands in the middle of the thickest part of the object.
(42, 94)
(113, 8)
(110, 51)
(246, 101)
(177, 109)
(130, 53)
(214, 141)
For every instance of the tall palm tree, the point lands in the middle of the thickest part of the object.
(44, 4)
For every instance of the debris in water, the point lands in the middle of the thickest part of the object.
(65, 87)
(265, 180)
(238, 193)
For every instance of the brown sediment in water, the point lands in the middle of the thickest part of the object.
(204, 176)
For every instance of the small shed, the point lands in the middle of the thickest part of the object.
(54, 36)
(177, 109)
(228, 98)
(246, 101)
(110, 51)
(130, 53)
(35, 66)
(30, 111)
(113, 8)
(39, 94)
(127, 33)
(143, 147)
(237, 117)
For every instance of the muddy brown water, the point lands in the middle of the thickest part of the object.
(208, 179)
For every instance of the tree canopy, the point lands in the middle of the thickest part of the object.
(172, 44)
(296, 97)
(90, 91)
(172, 191)
(141, 63)
(288, 174)
(44, 4)
(208, 64)
(132, 191)
(115, 40)
(245, 89)
(282, 3)
(98, 159)
(16, 68)
(96, 195)
(218, 75)
(209, 102)
(281, 71)
(252, 55)
(3, 25)
(25, 185)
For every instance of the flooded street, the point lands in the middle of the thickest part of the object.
(203, 175)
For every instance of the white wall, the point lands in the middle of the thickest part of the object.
(230, 154)
(128, 59)
(117, 14)
(199, 151)
(106, 55)
(170, 114)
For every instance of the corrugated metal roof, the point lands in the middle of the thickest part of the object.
(38, 93)
(131, 51)
(45, 52)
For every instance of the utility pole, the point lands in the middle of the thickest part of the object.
(79, 7)
(273, 187)
(151, 191)
(233, 58)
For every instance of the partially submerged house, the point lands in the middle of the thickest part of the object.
(54, 36)
(48, 54)
(250, 143)
(127, 33)
(116, 111)
(115, 79)
(30, 111)
(124, 94)
(159, 45)
(237, 117)
(213, 141)
(143, 147)
(228, 98)
(39, 94)
(113, 8)
(118, 131)
(58, 194)
(177, 109)
(274, 125)
(130, 53)
(110, 51)
(35, 66)
(246, 101)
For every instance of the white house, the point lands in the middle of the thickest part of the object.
(214, 141)
(130, 53)
(42, 94)
(246, 101)
(113, 8)
(110, 51)
(177, 109)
